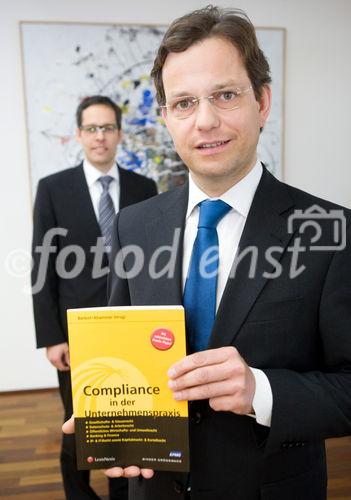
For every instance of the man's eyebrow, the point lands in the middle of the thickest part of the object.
(180, 93)
(218, 86)
(229, 83)
(97, 125)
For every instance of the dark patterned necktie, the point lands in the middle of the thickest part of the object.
(106, 209)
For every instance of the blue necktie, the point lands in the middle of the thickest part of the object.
(201, 284)
(106, 209)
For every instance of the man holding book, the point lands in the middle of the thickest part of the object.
(268, 311)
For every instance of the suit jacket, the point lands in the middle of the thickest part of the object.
(63, 201)
(288, 314)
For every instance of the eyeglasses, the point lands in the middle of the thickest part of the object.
(95, 129)
(226, 99)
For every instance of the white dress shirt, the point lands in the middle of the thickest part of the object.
(229, 230)
(95, 187)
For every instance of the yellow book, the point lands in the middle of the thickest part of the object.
(125, 413)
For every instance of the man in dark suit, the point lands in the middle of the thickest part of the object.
(72, 212)
(268, 374)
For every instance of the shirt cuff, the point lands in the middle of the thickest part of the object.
(263, 399)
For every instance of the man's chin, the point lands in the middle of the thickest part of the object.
(101, 160)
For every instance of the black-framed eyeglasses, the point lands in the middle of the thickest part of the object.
(92, 129)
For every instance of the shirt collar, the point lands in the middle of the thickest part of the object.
(239, 196)
(92, 174)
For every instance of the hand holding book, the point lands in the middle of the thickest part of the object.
(131, 471)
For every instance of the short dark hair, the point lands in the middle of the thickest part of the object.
(98, 99)
(230, 24)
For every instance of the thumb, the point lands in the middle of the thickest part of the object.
(68, 426)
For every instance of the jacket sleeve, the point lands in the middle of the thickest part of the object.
(44, 277)
(316, 405)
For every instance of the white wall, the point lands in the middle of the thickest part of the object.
(317, 129)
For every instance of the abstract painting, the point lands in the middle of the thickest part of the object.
(65, 62)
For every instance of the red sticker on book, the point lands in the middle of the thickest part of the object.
(90, 460)
(162, 339)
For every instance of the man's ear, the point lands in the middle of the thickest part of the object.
(120, 136)
(78, 134)
(164, 116)
(265, 102)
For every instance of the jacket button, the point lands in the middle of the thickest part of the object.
(178, 487)
(284, 445)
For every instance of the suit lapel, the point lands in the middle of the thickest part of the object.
(266, 227)
(164, 231)
(125, 189)
(84, 213)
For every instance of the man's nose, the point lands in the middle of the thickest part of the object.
(99, 134)
(207, 116)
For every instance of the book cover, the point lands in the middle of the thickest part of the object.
(124, 411)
